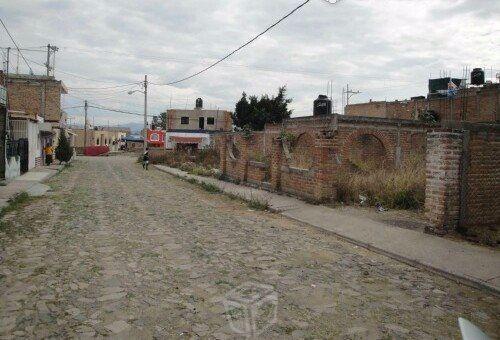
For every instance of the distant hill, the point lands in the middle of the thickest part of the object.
(134, 127)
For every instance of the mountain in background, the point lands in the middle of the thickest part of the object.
(135, 128)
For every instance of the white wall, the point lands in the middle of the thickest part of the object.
(205, 138)
(12, 167)
(34, 144)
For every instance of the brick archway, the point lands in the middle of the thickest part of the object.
(354, 136)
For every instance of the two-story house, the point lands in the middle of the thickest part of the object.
(195, 127)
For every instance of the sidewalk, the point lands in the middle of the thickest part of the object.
(30, 182)
(460, 261)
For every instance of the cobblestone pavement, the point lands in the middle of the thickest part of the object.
(115, 250)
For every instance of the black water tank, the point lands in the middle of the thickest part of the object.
(199, 103)
(322, 105)
(477, 76)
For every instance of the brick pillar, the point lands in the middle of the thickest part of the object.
(442, 189)
(243, 160)
(223, 154)
(323, 186)
(275, 164)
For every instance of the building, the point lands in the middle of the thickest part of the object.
(133, 142)
(100, 136)
(195, 128)
(3, 131)
(35, 115)
(474, 104)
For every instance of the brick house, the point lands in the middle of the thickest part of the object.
(195, 127)
(475, 104)
(34, 109)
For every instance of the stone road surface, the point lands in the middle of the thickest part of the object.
(118, 251)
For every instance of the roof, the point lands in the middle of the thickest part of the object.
(37, 77)
(133, 138)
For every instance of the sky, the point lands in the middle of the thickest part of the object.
(386, 49)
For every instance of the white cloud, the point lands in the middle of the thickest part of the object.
(386, 49)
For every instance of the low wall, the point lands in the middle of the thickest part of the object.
(463, 178)
(303, 156)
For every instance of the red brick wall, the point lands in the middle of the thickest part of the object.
(471, 105)
(482, 180)
(442, 190)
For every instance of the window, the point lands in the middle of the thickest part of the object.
(184, 120)
(210, 121)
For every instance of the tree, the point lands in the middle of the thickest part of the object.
(160, 121)
(253, 113)
(64, 151)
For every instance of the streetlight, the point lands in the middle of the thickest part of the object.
(145, 92)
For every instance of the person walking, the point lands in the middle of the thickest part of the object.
(145, 159)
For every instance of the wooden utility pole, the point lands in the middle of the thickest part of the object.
(145, 112)
(86, 105)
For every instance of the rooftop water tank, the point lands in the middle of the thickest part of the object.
(477, 76)
(322, 106)
(199, 103)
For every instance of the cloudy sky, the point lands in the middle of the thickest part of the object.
(387, 49)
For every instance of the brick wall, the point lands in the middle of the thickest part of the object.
(307, 166)
(463, 178)
(28, 97)
(471, 105)
(3, 118)
(442, 190)
(481, 180)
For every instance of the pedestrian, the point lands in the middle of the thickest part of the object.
(49, 151)
(145, 159)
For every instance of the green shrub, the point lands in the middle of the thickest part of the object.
(64, 151)
(257, 204)
(210, 187)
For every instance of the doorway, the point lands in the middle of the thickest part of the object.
(201, 123)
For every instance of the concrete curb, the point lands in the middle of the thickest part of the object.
(468, 281)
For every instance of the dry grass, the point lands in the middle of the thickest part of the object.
(402, 188)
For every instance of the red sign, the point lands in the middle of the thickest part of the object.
(156, 138)
(95, 150)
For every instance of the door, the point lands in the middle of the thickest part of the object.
(202, 123)
(23, 154)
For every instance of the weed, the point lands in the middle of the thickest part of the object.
(256, 204)
(209, 187)
(13, 204)
(192, 181)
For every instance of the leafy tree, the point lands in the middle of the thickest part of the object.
(64, 151)
(160, 121)
(253, 113)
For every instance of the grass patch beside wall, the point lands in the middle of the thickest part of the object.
(402, 188)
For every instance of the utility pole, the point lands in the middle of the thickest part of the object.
(50, 49)
(86, 105)
(8, 60)
(145, 112)
(349, 94)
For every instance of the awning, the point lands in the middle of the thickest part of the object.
(185, 140)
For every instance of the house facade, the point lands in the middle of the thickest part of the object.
(100, 136)
(34, 114)
(195, 127)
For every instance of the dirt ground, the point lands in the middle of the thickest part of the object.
(115, 250)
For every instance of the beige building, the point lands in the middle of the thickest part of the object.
(199, 119)
(194, 128)
(100, 136)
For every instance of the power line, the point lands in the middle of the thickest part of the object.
(14, 42)
(239, 48)
(114, 110)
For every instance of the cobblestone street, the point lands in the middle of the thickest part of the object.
(115, 250)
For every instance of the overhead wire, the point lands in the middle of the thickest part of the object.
(237, 49)
(15, 44)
